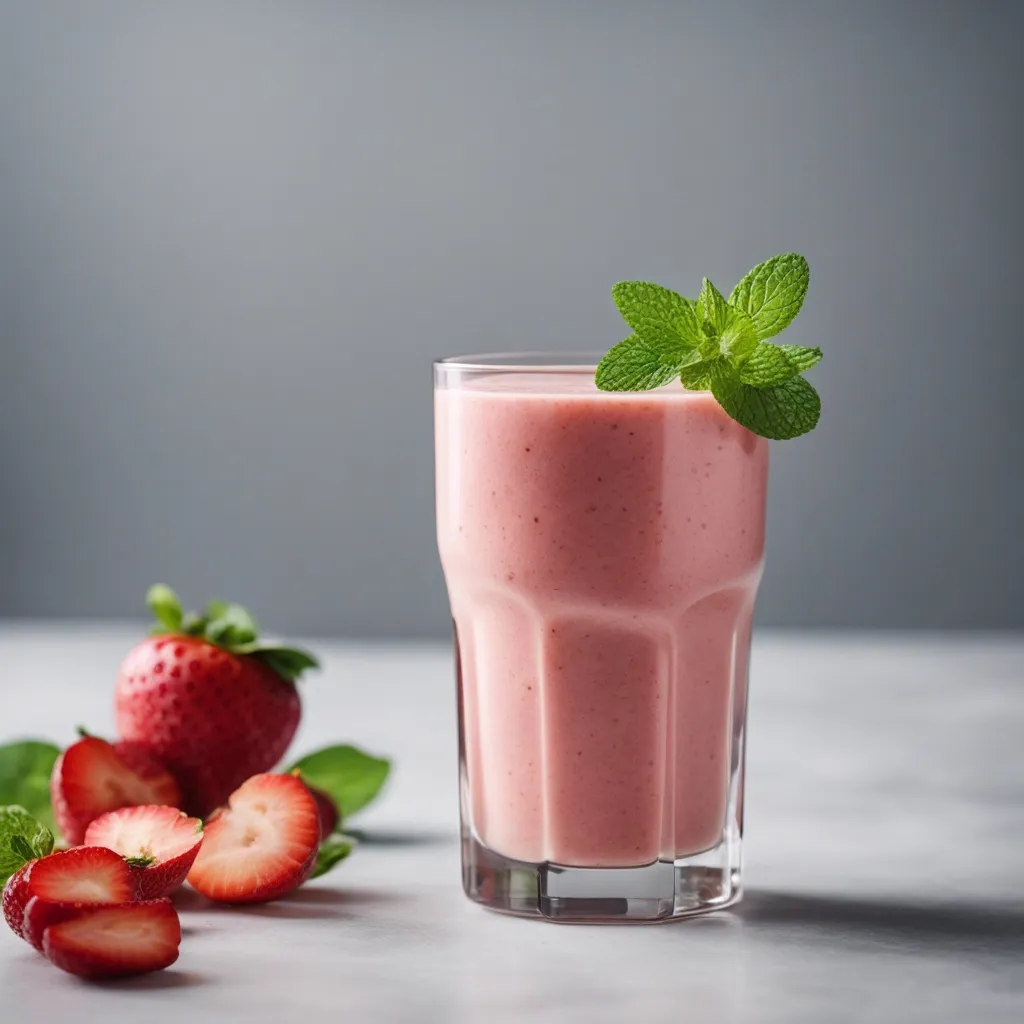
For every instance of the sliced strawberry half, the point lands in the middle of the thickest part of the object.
(262, 845)
(65, 884)
(91, 777)
(159, 843)
(16, 897)
(113, 942)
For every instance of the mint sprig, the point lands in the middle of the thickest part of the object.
(720, 345)
(229, 626)
(22, 839)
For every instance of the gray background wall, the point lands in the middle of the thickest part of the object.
(232, 235)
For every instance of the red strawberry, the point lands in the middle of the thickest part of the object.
(113, 942)
(92, 777)
(140, 759)
(159, 844)
(210, 699)
(16, 896)
(328, 811)
(64, 884)
(262, 845)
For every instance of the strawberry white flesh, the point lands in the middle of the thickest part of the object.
(262, 845)
(114, 942)
(160, 844)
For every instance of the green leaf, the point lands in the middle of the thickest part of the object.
(25, 769)
(17, 824)
(767, 367)
(21, 848)
(738, 337)
(349, 776)
(802, 358)
(287, 662)
(635, 365)
(773, 292)
(333, 850)
(662, 318)
(165, 606)
(140, 862)
(193, 624)
(230, 624)
(697, 376)
(770, 364)
(779, 413)
(712, 309)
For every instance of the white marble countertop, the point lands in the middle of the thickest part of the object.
(884, 867)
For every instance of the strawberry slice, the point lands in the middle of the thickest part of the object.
(262, 845)
(159, 843)
(63, 885)
(16, 897)
(113, 942)
(92, 777)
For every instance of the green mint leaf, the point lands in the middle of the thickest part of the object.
(21, 848)
(635, 365)
(802, 358)
(36, 840)
(165, 606)
(719, 345)
(333, 850)
(697, 376)
(738, 338)
(350, 777)
(779, 413)
(25, 769)
(770, 365)
(767, 367)
(773, 292)
(662, 318)
(712, 309)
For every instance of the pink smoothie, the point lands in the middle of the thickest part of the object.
(602, 554)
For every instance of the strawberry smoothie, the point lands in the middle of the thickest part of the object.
(602, 554)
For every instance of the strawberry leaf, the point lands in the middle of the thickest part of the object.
(229, 626)
(348, 775)
(25, 769)
(165, 606)
(287, 662)
(333, 850)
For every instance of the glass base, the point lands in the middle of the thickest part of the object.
(662, 891)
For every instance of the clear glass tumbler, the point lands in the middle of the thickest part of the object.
(602, 554)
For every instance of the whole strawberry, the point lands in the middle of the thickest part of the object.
(210, 699)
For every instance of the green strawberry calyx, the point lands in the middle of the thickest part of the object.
(229, 626)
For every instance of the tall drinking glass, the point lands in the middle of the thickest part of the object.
(602, 554)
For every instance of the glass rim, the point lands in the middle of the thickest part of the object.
(538, 361)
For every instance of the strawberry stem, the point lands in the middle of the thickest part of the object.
(230, 626)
